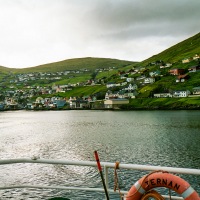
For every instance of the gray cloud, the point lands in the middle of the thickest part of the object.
(147, 17)
(41, 31)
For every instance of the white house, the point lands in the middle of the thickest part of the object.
(186, 60)
(129, 79)
(149, 80)
(110, 85)
(131, 87)
(181, 93)
(162, 95)
(111, 95)
(123, 83)
(196, 57)
(155, 73)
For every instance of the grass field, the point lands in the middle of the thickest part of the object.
(164, 103)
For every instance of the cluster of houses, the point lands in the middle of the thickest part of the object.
(118, 93)
(178, 93)
(145, 77)
(34, 76)
(87, 102)
(181, 75)
(111, 100)
(189, 59)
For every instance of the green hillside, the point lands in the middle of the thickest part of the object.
(176, 53)
(81, 71)
(163, 103)
(77, 64)
(4, 69)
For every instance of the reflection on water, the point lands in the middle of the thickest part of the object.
(166, 138)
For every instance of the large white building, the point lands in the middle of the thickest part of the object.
(181, 93)
(115, 103)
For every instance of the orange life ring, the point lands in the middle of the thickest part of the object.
(160, 179)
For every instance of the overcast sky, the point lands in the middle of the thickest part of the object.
(34, 32)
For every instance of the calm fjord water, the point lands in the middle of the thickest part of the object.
(166, 138)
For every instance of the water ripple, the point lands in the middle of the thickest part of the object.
(150, 138)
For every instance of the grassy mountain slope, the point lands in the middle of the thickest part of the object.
(164, 83)
(76, 64)
(164, 103)
(175, 55)
(5, 69)
(184, 49)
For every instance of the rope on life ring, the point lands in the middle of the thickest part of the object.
(152, 194)
(161, 179)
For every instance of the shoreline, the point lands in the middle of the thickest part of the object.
(111, 109)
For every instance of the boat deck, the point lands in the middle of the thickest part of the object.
(105, 165)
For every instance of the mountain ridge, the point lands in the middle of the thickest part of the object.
(186, 48)
(76, 64)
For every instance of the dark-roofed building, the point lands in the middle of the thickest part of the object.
(182, 78)
(196, 90)
(176, 71)
(194, 68)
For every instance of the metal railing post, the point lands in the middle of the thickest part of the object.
(106, 176)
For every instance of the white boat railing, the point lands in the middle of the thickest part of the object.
(105, 165)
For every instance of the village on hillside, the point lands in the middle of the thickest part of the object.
(127, 88)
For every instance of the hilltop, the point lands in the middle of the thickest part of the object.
(174, 54)
(75, 64)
